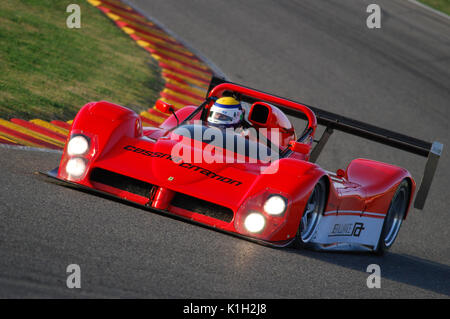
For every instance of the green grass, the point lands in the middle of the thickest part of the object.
(441, 5)
(49, 71)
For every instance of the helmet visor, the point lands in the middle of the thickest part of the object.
(217, 116)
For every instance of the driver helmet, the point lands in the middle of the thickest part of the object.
(226, 112)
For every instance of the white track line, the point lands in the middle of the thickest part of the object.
(420, 4)
(29, 148)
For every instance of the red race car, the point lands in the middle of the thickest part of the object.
(260, 183)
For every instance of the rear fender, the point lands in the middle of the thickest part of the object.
(379, 181)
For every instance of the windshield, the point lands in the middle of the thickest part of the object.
(227, 139)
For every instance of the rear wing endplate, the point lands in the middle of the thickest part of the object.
(431, 150)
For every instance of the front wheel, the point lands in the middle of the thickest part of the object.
(394, 217)
(311, 215)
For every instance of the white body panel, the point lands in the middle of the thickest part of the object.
(348, 230)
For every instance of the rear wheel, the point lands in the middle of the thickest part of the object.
(394, 217)
(311, 215)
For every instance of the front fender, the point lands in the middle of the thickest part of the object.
(294, 180)
(104, 123)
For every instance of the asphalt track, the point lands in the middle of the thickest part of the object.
(317, 52)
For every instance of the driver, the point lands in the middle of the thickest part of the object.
(226, 112)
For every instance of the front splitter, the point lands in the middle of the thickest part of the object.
(53, 176)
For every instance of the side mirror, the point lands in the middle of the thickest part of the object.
(164, 107)
(340, 173)
(300, 147)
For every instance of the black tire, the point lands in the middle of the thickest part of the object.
(312, 214)
(394, 217)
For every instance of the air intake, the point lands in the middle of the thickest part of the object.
(122, 182)
(202, 207)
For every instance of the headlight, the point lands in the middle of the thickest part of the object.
(76, 167)
(255, 222)
(275, 205)
(78, 145)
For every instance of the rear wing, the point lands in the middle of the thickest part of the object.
(431, 150)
